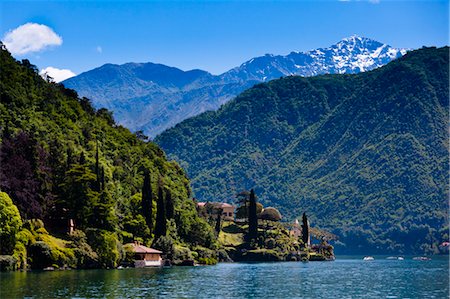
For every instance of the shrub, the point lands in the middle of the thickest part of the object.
(165, 244)
(206, 256)
(86, 257)
(129, 255)
(182, 253)
(207, 261)
(25, 237)
(33, 224)
(60, 255)
(20, 254)
(41, 230)
(316, 257)
(40, 255)
(107, 246)
(262, 255)
(7, 263)
(223, 256)
(270, 243)
(10, 224)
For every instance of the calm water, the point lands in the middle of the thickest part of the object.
(344, 278)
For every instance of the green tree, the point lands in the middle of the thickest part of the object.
(170, 213)
(147, 200)
(305, 229)
(97, 170)
(79, 197)
(242, 199)
(161, 223)
(219, 221)
(106, 245)
(10, 224)
(252, 217)
(104, 215)
(242, 211)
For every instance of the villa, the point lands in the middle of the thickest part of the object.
(227, 209)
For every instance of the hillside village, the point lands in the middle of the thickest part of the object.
(275, 240)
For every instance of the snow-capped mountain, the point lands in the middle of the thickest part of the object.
(153, 97)
(351, 55)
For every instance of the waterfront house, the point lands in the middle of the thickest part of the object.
(146, 256)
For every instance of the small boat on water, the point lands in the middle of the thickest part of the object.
(399, 258)
(368, 258)
(49, 269)
(421, 258)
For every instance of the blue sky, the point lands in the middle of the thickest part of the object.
(214, 35)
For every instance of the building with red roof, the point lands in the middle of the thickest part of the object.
(145, 256)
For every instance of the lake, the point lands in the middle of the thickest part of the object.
(347, 277)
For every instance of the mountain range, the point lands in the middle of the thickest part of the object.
(152, 97)
(365, 155)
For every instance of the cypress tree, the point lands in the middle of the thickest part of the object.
(219, 221)
(97, 171)
(147, 200)
(305, 230)
(82, 158)
(161, 223)
(102, 178)
(170, 210)
(252, 217)
(69, 158)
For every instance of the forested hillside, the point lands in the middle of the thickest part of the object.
(63, 160)
(365, 155)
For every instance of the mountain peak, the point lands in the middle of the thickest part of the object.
(355, 37)
(356, 42)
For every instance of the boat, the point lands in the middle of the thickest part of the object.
(421, 258)
(368, 258)
(391, 258)
(49, 269)
(400, 258)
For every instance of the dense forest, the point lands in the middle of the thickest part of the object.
(66, 165)
(365, 155)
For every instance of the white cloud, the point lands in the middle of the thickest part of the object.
(374, 1)
(99, 49)
(58, 75)
(30, 37)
